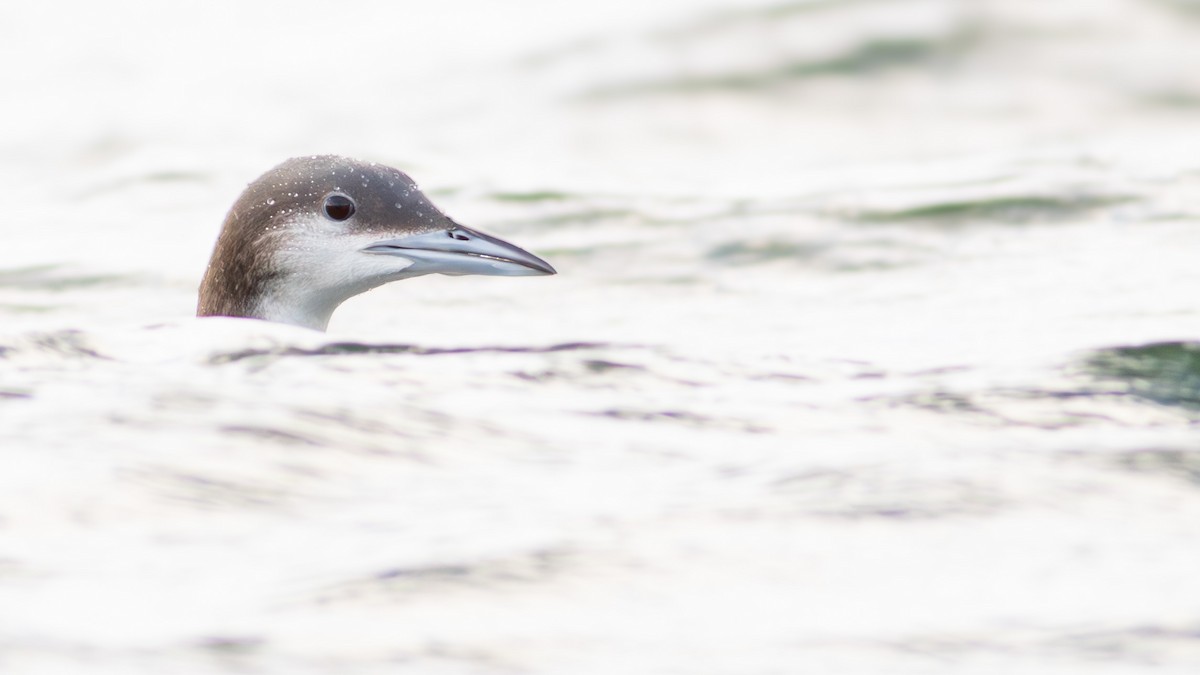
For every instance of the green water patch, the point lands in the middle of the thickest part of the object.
(1188, 8)
(1167, 373)
(9, 308)
(1006, 209)
(532, 196)
(51, 278)
(759, 15)
(868, 58)
(1179, 99)
(573, 251)
(446, 191)
(861, 256)
(165, 176)
(548, 208)
(1181, 464)
(580, 217)
(749, 253)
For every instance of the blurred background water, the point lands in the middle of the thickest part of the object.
(870, 352)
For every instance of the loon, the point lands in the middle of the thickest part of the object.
(315, 231)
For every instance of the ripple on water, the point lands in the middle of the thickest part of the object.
(488, 575)
(1183, 464)
(66, 344)
(1006, 209)
(870, 56)
(1167, 373)
(349, 348)
(52, 278)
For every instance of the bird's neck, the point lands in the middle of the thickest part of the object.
(244, 280)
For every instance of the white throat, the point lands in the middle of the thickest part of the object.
(322, 267)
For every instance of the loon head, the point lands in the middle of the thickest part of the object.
(315, 231)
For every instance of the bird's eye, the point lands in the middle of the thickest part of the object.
(339, 207)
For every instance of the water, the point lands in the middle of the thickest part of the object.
(872, 348)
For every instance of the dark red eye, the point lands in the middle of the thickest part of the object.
(339, 207)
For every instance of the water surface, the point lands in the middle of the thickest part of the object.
(874, 347)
